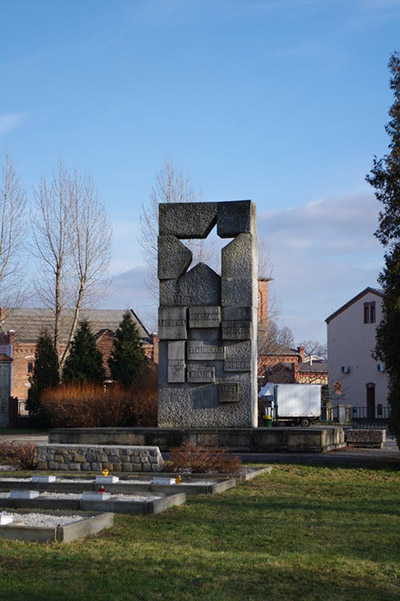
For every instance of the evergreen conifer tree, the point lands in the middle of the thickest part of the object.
(45, 375)
(85, 361)
(385, 178)
(127, 360)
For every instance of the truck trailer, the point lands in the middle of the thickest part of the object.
(297, 404)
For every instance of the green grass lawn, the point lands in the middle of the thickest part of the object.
(301, 533)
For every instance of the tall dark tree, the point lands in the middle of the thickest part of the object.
(45, 375)
(85, 361)
(385, 178)
(127, 360)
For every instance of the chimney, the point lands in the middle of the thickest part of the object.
(262, 310)
(300, 350)
(2, 313)
(155, 347)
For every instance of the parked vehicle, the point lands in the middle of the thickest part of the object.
(297, 404)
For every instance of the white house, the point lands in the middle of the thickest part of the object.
(355, 377)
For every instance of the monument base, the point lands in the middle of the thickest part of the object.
(238, 440)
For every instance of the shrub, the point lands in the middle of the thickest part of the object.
(23, 455)
(203, 460)
(89, 405)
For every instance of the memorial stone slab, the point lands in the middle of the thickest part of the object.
(229, 392)
(204, 317)
(199, 286)
(238, 292)
(176, 361)
(236, 330)
(172, 323)
(237, 217)
(238, 356)
(174, 258)
(205, 351)
(238, 257)
(187, 219)
(237, 313)
(200, 374)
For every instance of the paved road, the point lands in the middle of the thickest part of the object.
(389, 456)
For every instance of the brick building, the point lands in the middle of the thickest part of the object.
(20, 329)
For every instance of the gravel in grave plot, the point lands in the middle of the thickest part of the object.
(78, 497)
(42, 520)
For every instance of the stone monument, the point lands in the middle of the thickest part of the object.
(207, 323)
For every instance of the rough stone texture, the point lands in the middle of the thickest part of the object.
(174, 257)
(92, 455)
(187, 219)
(176, 361)
(199, 286)
(204, 317)
(238, 292)
(237, 313)
(235, 218)
(211, 390)
(374, 439)
(236, 330)
(205, 351)
(239, 257)
(237, 356)
(172, 323)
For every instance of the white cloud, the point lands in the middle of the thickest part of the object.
(323, 253)
(10, 121)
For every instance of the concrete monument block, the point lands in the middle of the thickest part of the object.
(173, 257)
(199, 286)
(172, 323)
(237, 313)
(229, 392)
(205, 351)
(237, 356)
(238, 292)
(187, 219)
(200, 374)
(239, 257)
(238, 217)
(208, 343)
(176, 361)
(204, 317)
(237, 330)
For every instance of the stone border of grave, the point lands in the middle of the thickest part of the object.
(88, 525)
(212, 486)
(150, 507)
(368, 438)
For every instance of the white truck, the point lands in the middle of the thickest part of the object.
(298, 404)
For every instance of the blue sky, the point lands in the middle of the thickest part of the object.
(280, 101)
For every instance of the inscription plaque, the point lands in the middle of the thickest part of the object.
(176, 361)
(200, 374)
(204, 351)
(236, 330)
(204, 317)
(172, 323)
(237, 365)
(229, 392)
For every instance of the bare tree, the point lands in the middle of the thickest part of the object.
(313, 347)
(170, 186)
(72, 240)
(12, 232)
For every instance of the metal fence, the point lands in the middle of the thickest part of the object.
(357, 417)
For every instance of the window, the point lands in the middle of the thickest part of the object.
(369, 312)
(30, 367)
